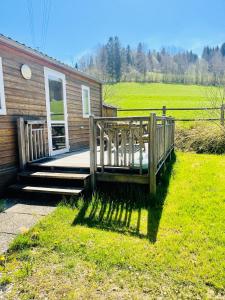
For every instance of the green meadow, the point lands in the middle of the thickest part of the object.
(155, 95)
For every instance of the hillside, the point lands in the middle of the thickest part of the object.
(155, 95)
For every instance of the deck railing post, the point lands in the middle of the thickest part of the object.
(164, 110)
(222, 114)
(152, 154)
(164, 141)
(92, 128)
(102, 152)
(173, 132)
(21, 142)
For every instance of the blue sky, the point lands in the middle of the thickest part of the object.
(78, 26)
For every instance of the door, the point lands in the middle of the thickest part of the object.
(55, 89)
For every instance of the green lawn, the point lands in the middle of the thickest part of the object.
(155, 95)
(104, 250)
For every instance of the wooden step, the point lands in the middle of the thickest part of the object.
(46, 190)
(55, 175)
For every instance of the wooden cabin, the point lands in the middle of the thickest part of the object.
(35, 86)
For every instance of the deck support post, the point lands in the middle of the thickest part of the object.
(92, 128)
(21, 142)
(164, 142)
(152, 154)
(222, 114)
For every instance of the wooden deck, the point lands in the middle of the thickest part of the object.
(75, 159)
(126, 150)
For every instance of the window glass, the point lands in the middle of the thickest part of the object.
(86, 101)
(56, 99)
(2, 93)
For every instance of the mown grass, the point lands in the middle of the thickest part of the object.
(155, 95)
(171, 249)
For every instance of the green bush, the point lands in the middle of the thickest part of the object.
(201, 139)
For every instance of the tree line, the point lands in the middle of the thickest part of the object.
(113, 62)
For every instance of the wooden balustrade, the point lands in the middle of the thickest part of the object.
(32, 140)
(142, 143)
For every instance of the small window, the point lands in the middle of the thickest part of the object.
(86, 101)
(2, 92)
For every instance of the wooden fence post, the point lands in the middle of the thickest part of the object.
(152, 154)
(164, 140)
(164, 110)
(92, 128)
(21, 142)
(222, 114)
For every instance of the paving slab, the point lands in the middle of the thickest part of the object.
(19, 217)
(21, 208)
(5, 240)
(13, 223)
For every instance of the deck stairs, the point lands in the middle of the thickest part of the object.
(39, 179)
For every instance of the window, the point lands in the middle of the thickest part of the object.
(86, 101)
(2, 92)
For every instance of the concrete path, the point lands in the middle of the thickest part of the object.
(18, 217)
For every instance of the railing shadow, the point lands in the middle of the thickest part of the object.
(126, 208)
(113, 211)
(155, 208)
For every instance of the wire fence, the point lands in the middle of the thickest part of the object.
(164, 110)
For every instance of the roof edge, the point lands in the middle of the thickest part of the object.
(29, 50)
(109, 105)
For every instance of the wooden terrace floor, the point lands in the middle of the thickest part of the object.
(75, 159)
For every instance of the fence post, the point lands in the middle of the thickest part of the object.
(222, 109)
(152, 154)
(164, 140)
(173, 132)
(92, 152)
(164, 110)
(21, 142)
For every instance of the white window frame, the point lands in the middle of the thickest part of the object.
(84, 87)
(2, 91)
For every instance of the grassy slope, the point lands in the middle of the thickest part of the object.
(155, 95)
(61, 261)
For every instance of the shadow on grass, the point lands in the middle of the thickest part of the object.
(123, 207)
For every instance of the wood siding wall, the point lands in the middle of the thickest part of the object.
(27, 98)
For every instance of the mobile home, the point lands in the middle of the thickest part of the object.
(35, 86)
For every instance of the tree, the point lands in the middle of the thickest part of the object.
(128, 56)
(141, 60)
(222, 49)
(110, 58)
(117, 59)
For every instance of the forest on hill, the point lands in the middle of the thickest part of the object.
(114, 62)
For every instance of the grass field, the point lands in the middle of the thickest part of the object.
(170, 251)
(155, 95)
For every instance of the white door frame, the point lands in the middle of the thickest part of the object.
(49, 72)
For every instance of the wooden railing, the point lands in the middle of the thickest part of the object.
(141, 143)
(32, 140)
